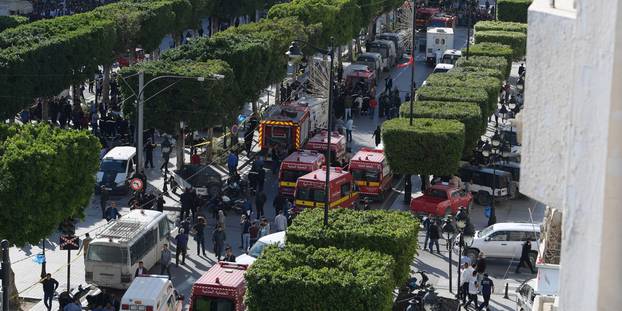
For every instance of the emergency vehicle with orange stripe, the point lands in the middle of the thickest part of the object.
(290, 124)
(311, 190)
(371, 172)
(297, 164)
(338, 150)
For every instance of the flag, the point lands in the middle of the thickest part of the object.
(411, 61)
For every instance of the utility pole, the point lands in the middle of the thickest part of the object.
(412, 53)
(6, 274)
(139, 122)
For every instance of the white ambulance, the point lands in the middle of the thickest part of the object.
(152, 293)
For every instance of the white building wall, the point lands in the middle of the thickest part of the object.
(572, 141)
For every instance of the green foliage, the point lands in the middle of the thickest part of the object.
(45, 57)
(242, 47)
(498, 63)
(392, 233)
(513, 10)
(516, 40)
(429, 146)
(467, 113)
(492, 50)
(500, 26)
(459, 80)
(48, 174)
(457, 94)
(340, 19)
(304, 278)
(11, 21)
(198, 104)
(479, 71)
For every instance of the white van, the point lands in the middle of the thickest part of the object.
(440, 68)
(257, 248)
(114, 254)
(115, 169)
(152, 293)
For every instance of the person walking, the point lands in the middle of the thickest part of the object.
(264, 227)
(280, 222)
(377, 135)
(246, 236)
(149, 153)
(199, 235)
(260, 200)
(218, 238)
(254, 232)
(487, 287)
(104, 196)
(348, 108)
(480, 266)
(278, 203)
(232, 163)
(165, 261)
(221, 218)
(434, 235)
(85, 245)
(426, 226)
(49, 287)
(473, 289)
(524, 257)
(467, 271)
(373, 104)
(182, 246)
(165, 146)
(349, 126)
(186, 200)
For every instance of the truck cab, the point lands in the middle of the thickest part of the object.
(424, 15)
(221, 288)
(371, 60)
(310, 190)
(450, 56)
(319, 143)
(443, 20)
(438, 40)
(297, 164)
(441, 200)
(152, 293)
(371, 173)
(386, 49)
(396, 39)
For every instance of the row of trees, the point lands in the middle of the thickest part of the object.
(452, 109)
(352, 264)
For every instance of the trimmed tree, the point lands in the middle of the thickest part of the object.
(516, 40)
(457, 94)
(492, 50)
(309, 278)
(498, 63)
(513, 10)
(429, 147)
(392, 233)
(11, 21)
(479, 71)
(467, 80)
(500, 26)
(467, 113)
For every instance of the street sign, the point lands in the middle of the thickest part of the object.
(136, 184)
(69, 242)
(39, 259)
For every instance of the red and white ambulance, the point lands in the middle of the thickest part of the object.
(222, 287)
(337, 146)
(371, 172)
(297, 164)
(311, 190)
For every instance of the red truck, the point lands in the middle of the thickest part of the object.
(441, 200)
(222, 287)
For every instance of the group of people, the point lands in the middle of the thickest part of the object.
(475, 281)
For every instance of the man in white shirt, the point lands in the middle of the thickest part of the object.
(467, 271)
(473, 289)
(349, 125)
(280, 222)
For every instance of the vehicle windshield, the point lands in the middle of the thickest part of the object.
(291, 175)
(105, 253)
(257, 248)
(366, 175)
(204, 303)
(117, 166)
(437, 193)
(310, 194)
(484, 232)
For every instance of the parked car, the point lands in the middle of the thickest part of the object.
(504, 240)
(526, 294)
(257, 248)
(441, 200)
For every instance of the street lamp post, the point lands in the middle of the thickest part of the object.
(449, 234)
(295, 53)
(412, 53)
(43, 263)
(492, 153)
(466, 232)
(468, 4)
(166, 151)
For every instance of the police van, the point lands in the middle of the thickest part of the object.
(115, 169)
(152, 293)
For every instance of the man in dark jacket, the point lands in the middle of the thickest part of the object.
(524, 257)
(49, 287)
(187, 201)
(182, 246)
(218, 238)
(260, 200)
(434, 235)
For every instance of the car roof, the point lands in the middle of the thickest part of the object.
(273, 238)
(440, 30)
(516, 226)
(319, 175)
(225, 274)
(443, 66)
(304, 156)
(120, 153)
(452, 52)
(369, 155)
(146, 288)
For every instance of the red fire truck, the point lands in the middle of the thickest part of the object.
(443, 20)
(337, 146)
(222, 287)
(371, 172)
(295, 165)
(310, 190)
(424, 15)
(290, 125)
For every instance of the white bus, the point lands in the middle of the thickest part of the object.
(114, 254)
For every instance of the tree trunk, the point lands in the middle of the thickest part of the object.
(350, 51)
(254, 104)
(407, 188)
(76, 94)
(13, 293)
(45, 110)
(106, 85)
(212, 144)
(180, 148)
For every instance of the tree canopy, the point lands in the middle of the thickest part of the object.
(48, 174)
